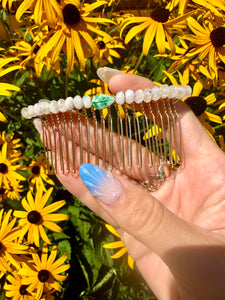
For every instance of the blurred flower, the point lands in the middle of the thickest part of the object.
(15, 290)
(13, 192)
(39, 171)
(73, 34)
(159, 25)
(38, 215)
(116, 245)
(2, 118)
(44, 274)
(8, 169)
(9, 248)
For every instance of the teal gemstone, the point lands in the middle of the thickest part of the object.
(102, 101)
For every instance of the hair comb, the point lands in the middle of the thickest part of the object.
(133, 130)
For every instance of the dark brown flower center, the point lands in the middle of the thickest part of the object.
(36, 48)
(3, 168)
(23, 290)
(2, 249)
(43, 275)
(217, 37)
(36, 170)
(197, 104)
(34, 217)
(101, 45)
(160, 14)
(71, 14)
(2, 191)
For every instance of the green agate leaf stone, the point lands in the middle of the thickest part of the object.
(102, 101)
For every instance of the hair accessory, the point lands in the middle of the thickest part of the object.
(133, 130)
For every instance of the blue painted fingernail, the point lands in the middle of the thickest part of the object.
(101, 184)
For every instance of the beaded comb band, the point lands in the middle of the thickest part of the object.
(129, 131)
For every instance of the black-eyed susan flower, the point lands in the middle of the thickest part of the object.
(12, 192)
(44, 274)
(9, 167)
(9, 248)
(117, 245)
(208, 43)
(159, 26)
(108, 49)
(13, 145)
(39, 173)
(38, 215)
(14, 288)
(73, 34)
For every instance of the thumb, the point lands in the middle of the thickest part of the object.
(139, 213)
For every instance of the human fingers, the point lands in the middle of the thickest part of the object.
(195, 139)
(139, 213)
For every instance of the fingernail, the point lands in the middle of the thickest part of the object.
(106, 73)
(101, 184)
(38, 125)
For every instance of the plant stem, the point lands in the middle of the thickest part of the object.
(14, 117)
(105, 279)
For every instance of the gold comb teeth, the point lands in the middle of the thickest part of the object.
(132, 131)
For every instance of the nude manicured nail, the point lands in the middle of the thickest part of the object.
(106, 73)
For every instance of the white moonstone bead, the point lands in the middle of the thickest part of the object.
(25, 113)
(45, 108)
(156, 95)
(188, 91)
(61, 105)
(173, 92)
(129, 96)
(139, 96)
(87, 101)
(147, 95)
(165, 91)
(181, 91)
(77, 102)
(54, 107)
(69, 103)
(120, 98)
(31, 111)
(37, 109)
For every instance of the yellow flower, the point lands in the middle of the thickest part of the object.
(2, 118)
(44, 274)
(8, 169)
(38, 215)
(5, 87)
(9, 248)
(116, 245)
(12, 144)
(13, 192)
(107, 49)
(208, 43)
(39, 174)
(73, 34)
(159, 25)
(15, 290)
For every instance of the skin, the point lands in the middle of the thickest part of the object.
(176, 235)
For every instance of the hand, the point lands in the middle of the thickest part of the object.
(176, 235)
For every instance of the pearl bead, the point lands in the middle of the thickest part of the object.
(54, 107)
(77, 102)
(25, 113)
(120, 98)
(45, 108)
(173, 92)
(165, 91)
(87, 101)
(69, 103)
(129, 96)
(138, 96)
(147, 95)
(188, 91)
(61, 105)
(37, 109)
(156, 93)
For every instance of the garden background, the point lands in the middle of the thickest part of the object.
(51, 246)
